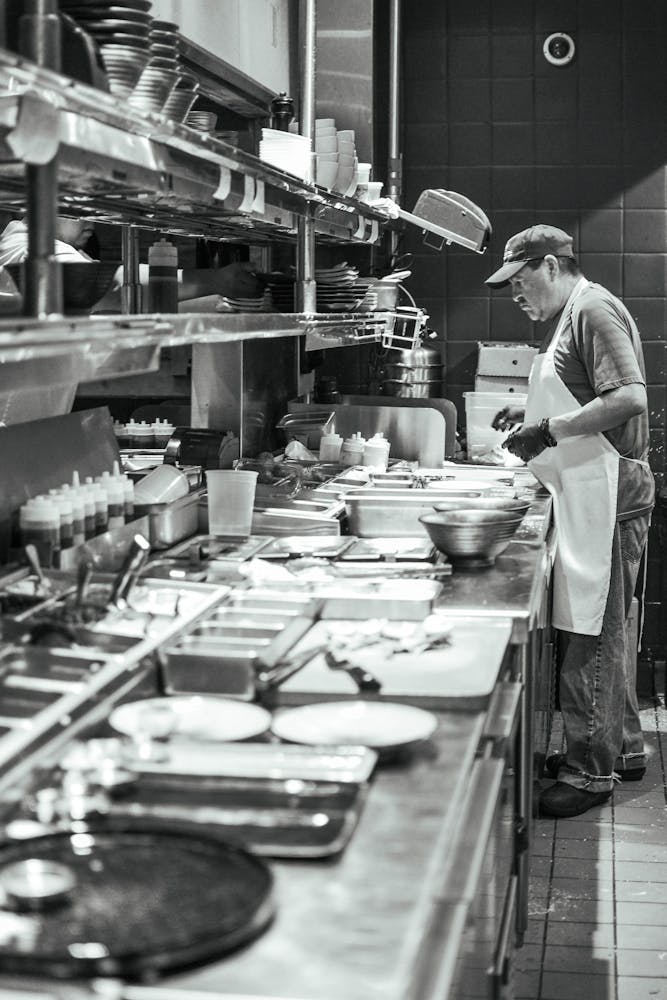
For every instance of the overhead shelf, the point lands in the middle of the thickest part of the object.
(125, 166)
(39, 353)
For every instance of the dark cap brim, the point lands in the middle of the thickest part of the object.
(501, 277)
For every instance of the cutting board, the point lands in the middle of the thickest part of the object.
(461, 674)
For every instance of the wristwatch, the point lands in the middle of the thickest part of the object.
(549, 439)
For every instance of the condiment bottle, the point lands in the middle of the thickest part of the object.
(78, 513)
(330, 447)
(128, 491)
(99, 496)
(120, 430)
(352, 451)
(162, 277)
(140, 434)
(66, 513)
(88, 500)
(115, 499)
(162, 432)
(39, 524)
(376, 452)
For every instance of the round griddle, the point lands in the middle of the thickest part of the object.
(147, 897)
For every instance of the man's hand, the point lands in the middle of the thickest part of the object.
(508, 417)
(527, 442)
(240, 281)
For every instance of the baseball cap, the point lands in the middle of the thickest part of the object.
(531, 244)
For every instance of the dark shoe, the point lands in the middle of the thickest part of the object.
(553, 763)
(562, 799)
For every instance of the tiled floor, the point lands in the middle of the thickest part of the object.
(598, 897)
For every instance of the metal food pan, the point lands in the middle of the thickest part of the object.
(383, 514)
(223, 630)
(194, 667)
(275, 601)
(397, 600)
(169, 523)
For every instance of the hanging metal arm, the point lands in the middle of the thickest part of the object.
(306, 292)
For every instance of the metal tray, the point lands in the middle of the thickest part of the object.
(169, 523)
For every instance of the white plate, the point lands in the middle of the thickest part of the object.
(197, 717)
(377, 724)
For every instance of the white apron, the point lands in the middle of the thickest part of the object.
(581, 473)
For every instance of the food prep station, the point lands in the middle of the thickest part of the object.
(303, 696)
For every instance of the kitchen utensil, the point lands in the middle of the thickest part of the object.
(148, 896)
(36, 566)
(84, 573)
(471, 538)
(365, 681)
(195, 717)
(381, 725)
(134, 562)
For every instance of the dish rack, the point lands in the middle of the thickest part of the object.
(404, 328)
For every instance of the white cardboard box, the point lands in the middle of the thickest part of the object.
(500, 383)
(508, 360)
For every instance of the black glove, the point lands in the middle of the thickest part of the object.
(529, 441)
(508, 417)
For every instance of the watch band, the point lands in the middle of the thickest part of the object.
(549, 439)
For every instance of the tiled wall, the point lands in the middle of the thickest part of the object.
(583, 147)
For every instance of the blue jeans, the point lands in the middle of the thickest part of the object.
(599, 707)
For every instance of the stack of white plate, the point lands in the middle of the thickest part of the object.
(287, 151)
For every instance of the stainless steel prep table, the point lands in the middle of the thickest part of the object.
(518, 587)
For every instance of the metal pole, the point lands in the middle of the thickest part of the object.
(130, 292)
(394, 165)
(39, 40)
(306, 292)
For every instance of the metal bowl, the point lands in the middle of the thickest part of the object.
(518, 507)
(471, 538)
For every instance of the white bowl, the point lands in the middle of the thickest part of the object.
(346, 134)
(328, 144)
(327, 157)
(326, 173)
(325, 123)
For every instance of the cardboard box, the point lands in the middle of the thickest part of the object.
(509, 360)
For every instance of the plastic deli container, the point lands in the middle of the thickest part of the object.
(485, 443)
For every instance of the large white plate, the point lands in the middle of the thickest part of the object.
(197, 717)
(377, 724)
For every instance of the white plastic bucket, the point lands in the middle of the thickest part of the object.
(484, 443)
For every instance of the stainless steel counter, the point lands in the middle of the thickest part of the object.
(350, 929)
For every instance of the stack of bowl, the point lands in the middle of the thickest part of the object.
(326, 152)
(473, 533)
(120, 32)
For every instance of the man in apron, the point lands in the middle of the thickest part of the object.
(584, 434)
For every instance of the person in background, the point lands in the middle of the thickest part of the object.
(237, 280)
(584, 434)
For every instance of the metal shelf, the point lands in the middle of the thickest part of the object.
(124, 166)
(40, 353)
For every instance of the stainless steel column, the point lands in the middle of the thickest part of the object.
(131, 288)
(39, 40)
(395, 164)
(306, 291)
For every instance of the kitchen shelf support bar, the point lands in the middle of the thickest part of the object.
(39, 40)
(306, 291)
(131, 287)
